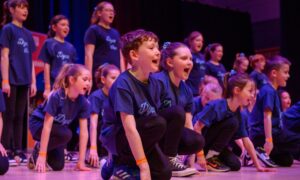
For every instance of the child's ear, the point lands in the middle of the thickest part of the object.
(273, 73)
(72, 80)
(169, 62)
(236, 90)
(134, 56)
(102, 79)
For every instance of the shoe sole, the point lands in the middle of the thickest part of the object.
(216, 170)
(262, 159)
(187, 172)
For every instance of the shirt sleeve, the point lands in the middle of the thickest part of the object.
(207, 116)
(190, 104)
(2, 103)
(32, 43)
(123, 101)
(6, 37)
(242, 129)
(52, 105)
(95, 104)
(85, 109)
(90, 36)
(268, 101)
(45, 54)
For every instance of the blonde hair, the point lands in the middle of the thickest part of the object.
(67, 71)
(95, 18)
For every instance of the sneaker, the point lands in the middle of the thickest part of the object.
(126, 173)
(179, 169)
(106, 168)
(20, 157)
(262, 155)
(33, 157)
(11, 159)
(246, 160)
(215, 164)
(71, 157)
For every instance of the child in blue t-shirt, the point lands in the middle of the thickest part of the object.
(4, 165)
(210, 92)
(195, 43)
(105, 77)
(56, 51)
(18, 76)
(222, 121)
(132, 126)
(266, 126)
(177, 63)
(258, 62)
(102, 42)
(48, 123)
(285, 99)
(214, 54)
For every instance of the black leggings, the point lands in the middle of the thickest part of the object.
(177, 138)
(4, 165)
(151, 130)
(285, 143)
(14, 117)
(59, 137)
(218, 136)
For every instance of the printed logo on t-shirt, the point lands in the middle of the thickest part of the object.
(61, 119)
(166, 103)
(200, 63)
(62, 56)
(24, 44)
(146, 109)
(221, 75)
(112, 43)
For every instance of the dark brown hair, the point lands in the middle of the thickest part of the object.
(133, 40)
(103, 71)
(11, 4)
(275, 63)
(238, 80)
(211, 48)
(169, 51)
(54, 21)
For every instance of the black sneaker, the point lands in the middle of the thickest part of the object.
(215, 164)
(262, 155)
(33, 157)
(20, 157)
(126, 173)
(179, 169)
(106, 168)
(11, 159)
(71, 157)
(246, 160)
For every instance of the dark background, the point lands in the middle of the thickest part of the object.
(173, 21)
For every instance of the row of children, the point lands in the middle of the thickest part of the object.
(147, 118)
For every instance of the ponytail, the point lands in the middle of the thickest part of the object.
(56, 19)
(10, 4)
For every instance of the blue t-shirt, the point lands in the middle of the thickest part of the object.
(63, 109)
(2, 102)
(97, 100)
(131, 96)
(56, 54)
(198, 107)
(181, 95)
(217, 71)
(267, 98)
(20, 43)
(107, 45)
(291, 116)
(259, 78)
(197, 73)
(217, 111)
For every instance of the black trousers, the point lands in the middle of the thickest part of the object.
(13, 118)
(151, 130)
(59, 137)
(285, 144)
(218, 136)
(177, 138)
(4, 165)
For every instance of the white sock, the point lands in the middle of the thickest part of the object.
(212, 153)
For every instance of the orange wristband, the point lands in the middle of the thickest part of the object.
(5, 81)
(270, 140)
(93, 147)
(43, 154)
(141, 161)
(47, 86)
(200, 154)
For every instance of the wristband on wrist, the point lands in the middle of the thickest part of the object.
(141, 161)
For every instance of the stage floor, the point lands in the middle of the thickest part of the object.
(249, 173)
